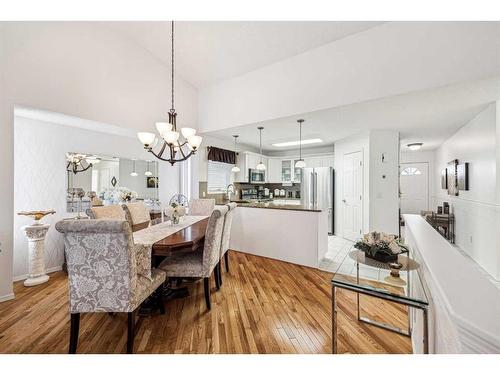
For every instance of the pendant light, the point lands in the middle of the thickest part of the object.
(300, 163)
(133, 173)
(177, 150)
(148, 172)
(261, 166)
(235, 169)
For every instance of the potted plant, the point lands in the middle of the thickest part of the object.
(174, 212)
(381, 246)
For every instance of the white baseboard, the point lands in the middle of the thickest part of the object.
(48, 270)
(7, 297)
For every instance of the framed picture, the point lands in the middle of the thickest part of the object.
(463, 176)
(444, 180)
(451, 177)
(151, 182)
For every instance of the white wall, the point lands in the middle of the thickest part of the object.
(79, 69)
(384, 181)
(360, 143)
(380, 195)
(338, 73)
(40, 177)
(477, 211)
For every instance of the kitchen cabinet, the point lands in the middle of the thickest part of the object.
(297, 172)
(279, 170)
(246, 161)
(320, 161)
(242, 175)
(274, 171)
(286, 170)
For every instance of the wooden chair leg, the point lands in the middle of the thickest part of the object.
(226, 259)
(220, 273)
(159, 298)
(73, 336)
(206, 285)
(217, 275)
(131, 331)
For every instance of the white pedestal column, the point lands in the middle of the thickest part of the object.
(36, 245)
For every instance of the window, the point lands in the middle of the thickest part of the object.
(219, 176)
(410, 171)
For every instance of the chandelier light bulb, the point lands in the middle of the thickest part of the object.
(261, 166)
(163, 127)
(188, 132)
(195, 141)
(147, 139)
(171, 137)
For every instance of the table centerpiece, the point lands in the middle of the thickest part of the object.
(381, 246)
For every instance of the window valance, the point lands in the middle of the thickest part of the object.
(222, 156)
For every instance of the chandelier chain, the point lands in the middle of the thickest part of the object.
(172, 64)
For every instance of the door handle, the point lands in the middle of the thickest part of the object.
(343, 200)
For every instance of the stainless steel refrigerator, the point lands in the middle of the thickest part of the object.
(317, 189)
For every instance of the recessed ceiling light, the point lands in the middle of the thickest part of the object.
(296, 143)
(415, 146)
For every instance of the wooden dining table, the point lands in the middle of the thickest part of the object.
(189, 238)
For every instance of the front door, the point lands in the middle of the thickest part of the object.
(414, 187)
(352, 196)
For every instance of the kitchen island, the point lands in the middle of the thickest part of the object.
(292, 233)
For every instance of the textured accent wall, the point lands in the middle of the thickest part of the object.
(40, 178)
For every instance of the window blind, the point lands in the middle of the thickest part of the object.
(219, 176)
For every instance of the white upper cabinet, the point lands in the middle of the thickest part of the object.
(320, 161)
(274, 170)
(279, 170)
(286, 170)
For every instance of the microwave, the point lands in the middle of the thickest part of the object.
(256, 176)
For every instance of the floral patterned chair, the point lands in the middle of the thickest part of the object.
(138, 215)
(200, 263)
(201, 207)
(103, 272)
(107, 212)
(226, 236)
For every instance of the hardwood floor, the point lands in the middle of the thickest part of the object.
(264, 306)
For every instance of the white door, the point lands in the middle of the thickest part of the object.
(352, 196)
(414, 187)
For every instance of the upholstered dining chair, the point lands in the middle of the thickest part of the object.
(138, 215)
(107, 212)
(201, 207)
(226, 236)
(200, 263)
(103, 273)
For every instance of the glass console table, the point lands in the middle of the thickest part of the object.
(372, 278)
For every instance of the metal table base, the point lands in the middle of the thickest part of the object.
(383, 296)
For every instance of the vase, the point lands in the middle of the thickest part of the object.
(382, 257)
(175, 220)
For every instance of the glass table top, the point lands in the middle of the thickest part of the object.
(358, 271)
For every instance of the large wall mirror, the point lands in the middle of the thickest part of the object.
(95, 180)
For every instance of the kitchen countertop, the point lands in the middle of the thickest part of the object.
(270, 205)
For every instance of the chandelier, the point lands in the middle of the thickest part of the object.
(173, 149)
(77, 163)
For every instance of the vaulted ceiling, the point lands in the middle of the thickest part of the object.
(208, 52)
